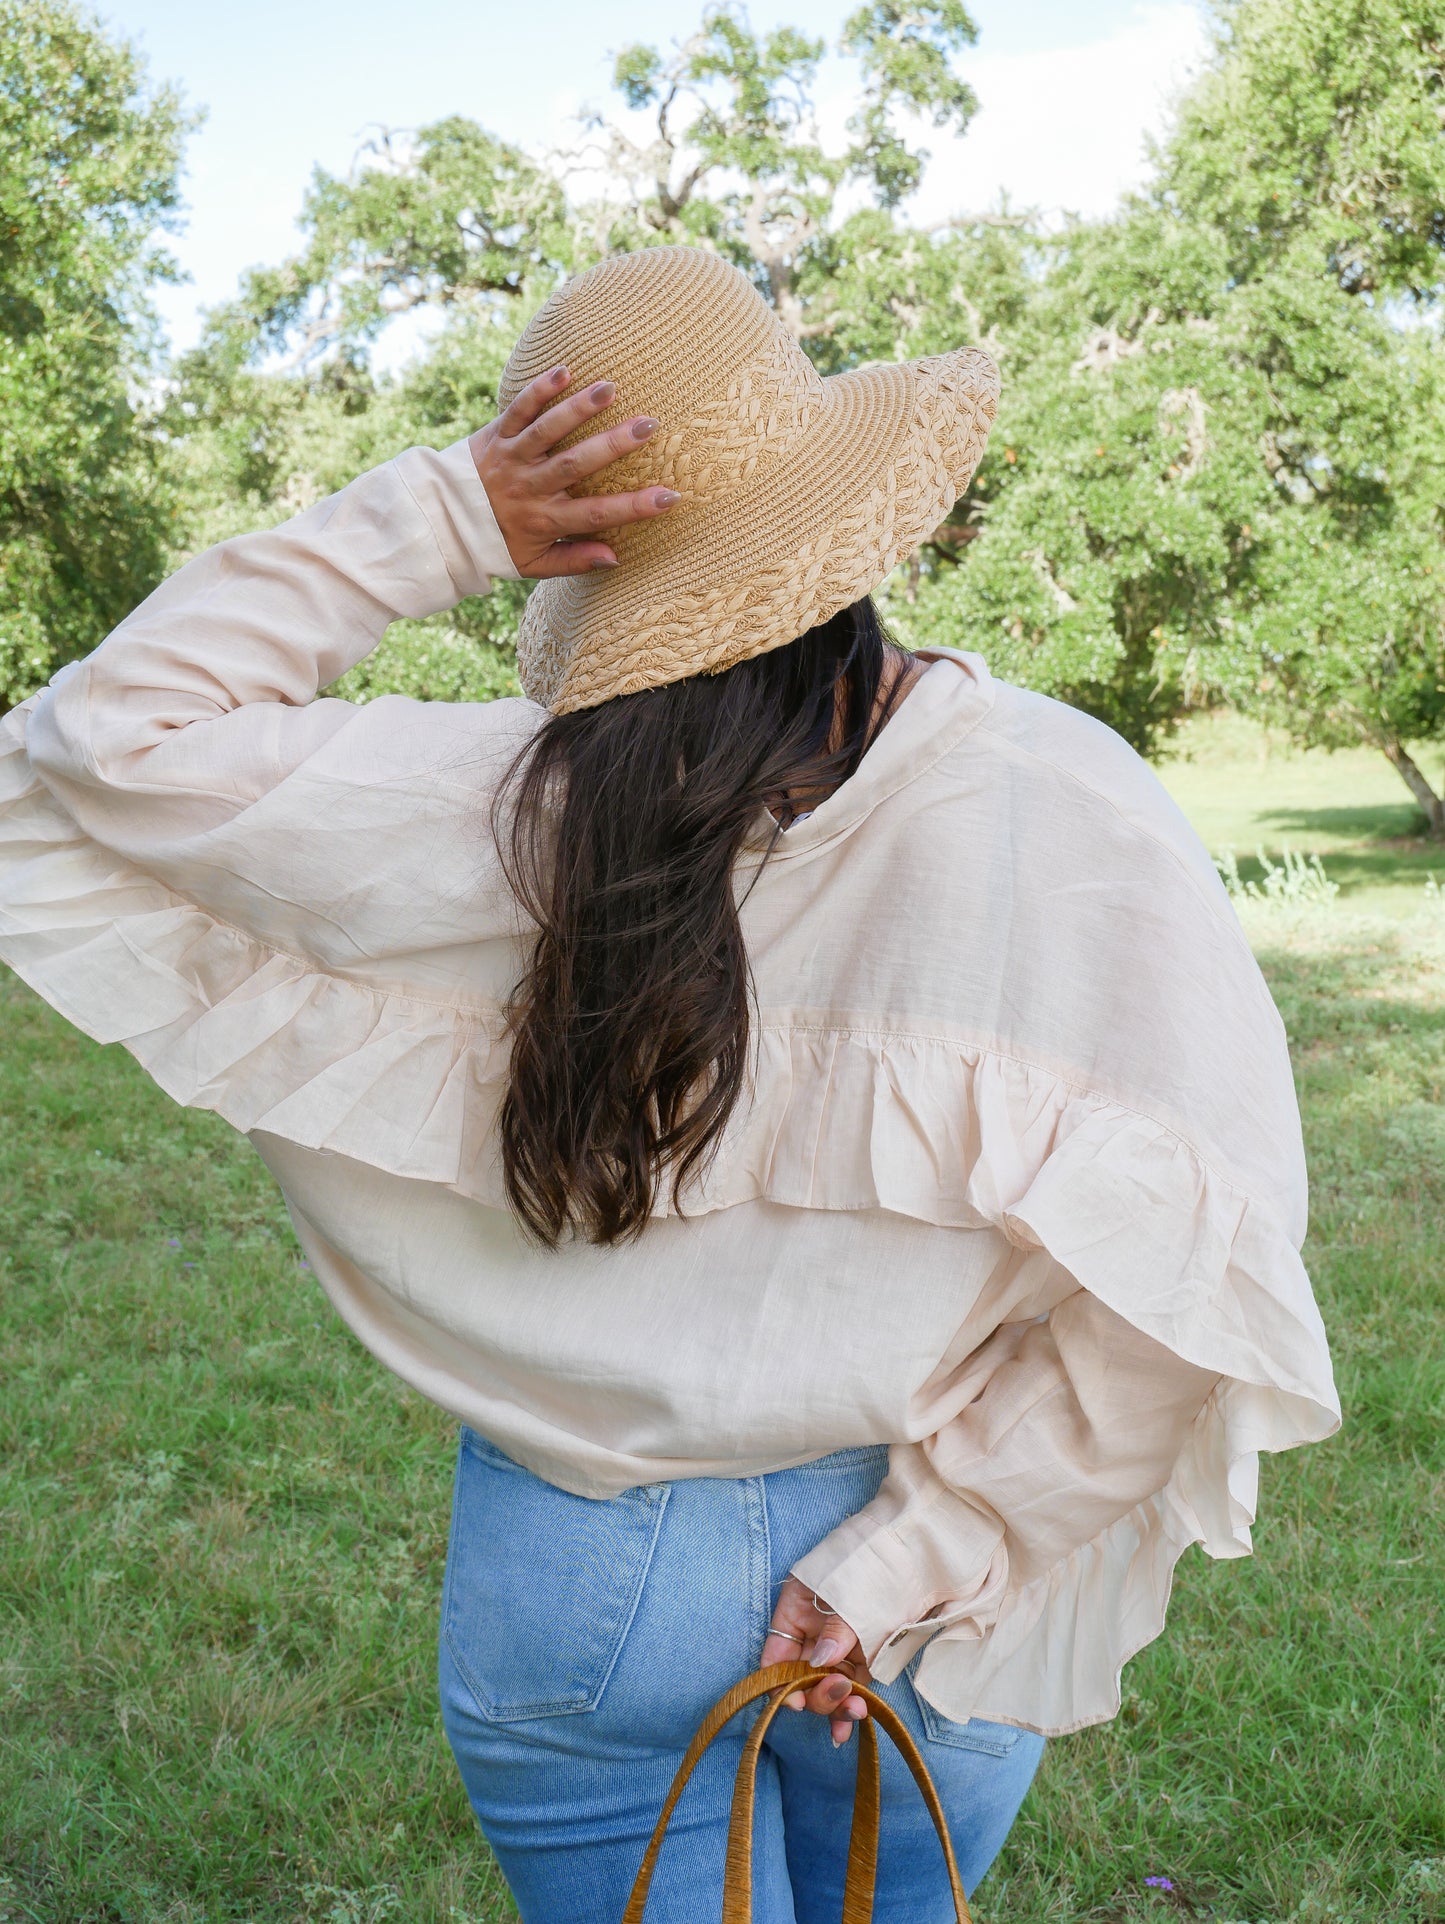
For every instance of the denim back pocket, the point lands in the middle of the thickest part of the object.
(993, 1740)
(541, 1586)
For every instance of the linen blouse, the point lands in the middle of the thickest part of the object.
(1017, 1187)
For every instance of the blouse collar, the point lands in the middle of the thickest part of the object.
(941, 708)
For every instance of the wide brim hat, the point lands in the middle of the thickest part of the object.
(799, 492)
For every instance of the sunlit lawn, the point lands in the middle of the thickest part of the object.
(222, 1525)
(1245, 787)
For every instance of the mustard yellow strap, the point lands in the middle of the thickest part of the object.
(890, 1720)
(862, 1878)
(777, 1683)
(737, 1898)
(747, 1691)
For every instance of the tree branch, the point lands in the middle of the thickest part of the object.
(775, 252)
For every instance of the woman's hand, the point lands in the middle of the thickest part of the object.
(822, 1638)
(544, 527)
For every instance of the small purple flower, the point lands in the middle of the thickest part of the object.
(1158, 1883)
(174, 1241)
(187, 1265)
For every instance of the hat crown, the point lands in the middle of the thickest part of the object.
(688, 339)
(799, 493)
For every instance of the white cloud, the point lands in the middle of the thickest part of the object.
(1063, 129)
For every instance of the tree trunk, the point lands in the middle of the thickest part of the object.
(1414, 778)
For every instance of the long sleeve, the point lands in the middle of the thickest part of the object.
(289, 909)
(1080, 1419)
(204, 698)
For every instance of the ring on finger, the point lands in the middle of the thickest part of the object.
(791, 1635)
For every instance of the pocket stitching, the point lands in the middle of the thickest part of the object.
(943, 1730)
(654, 1494)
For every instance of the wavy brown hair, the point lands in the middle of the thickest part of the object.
(620, 826)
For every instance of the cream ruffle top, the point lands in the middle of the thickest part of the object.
(1018, 1190)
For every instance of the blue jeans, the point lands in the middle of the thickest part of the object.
(583, 1641)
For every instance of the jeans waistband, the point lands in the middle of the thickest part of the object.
(855, 1456)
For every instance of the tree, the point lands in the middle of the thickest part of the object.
(1314, 132)
(1215, 472)
(1313, 147)
(734, 159)
(88, 159)
(450, 215)
(1112, 522)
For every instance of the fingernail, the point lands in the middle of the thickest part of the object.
(603, 391)
(859, 1714)
(665, 497)
(827, 1651)
(796, 1702)
(605, 561)
(641, 429)
(558, 375)
(838, 1742)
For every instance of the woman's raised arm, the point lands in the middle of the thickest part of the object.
(208, 689)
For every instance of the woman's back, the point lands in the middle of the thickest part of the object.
(870, 1147)
(1007, 1039)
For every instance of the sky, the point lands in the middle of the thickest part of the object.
(1068, 91)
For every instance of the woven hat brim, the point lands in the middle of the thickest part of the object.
(712, 583)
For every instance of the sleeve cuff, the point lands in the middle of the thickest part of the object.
(449, 492)
(892, 1590)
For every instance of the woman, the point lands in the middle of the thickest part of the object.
(810, 1111)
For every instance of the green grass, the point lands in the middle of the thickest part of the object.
(1245, 787)
(222, 1526)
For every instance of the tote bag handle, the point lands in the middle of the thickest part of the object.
(776, 1683)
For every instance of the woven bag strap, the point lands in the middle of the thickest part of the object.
(777, 1683)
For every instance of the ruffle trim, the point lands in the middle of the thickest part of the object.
(1059, 1644)
(841, 1118)
(269, 1041)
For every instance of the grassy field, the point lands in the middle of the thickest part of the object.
(1244, 787)
(222, 1526)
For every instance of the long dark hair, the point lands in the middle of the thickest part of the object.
(620, 826)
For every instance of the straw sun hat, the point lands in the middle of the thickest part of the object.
(799, 493)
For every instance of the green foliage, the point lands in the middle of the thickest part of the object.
(88, 158)
(1216, 473)
(903, 53)
(432, 661)
(1217, 470)
(1294, 879)
(1317, 129)
(453, 215)
(735, 161)
(1312, 150)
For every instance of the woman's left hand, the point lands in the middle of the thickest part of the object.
(547, 530)
(819, 1637)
